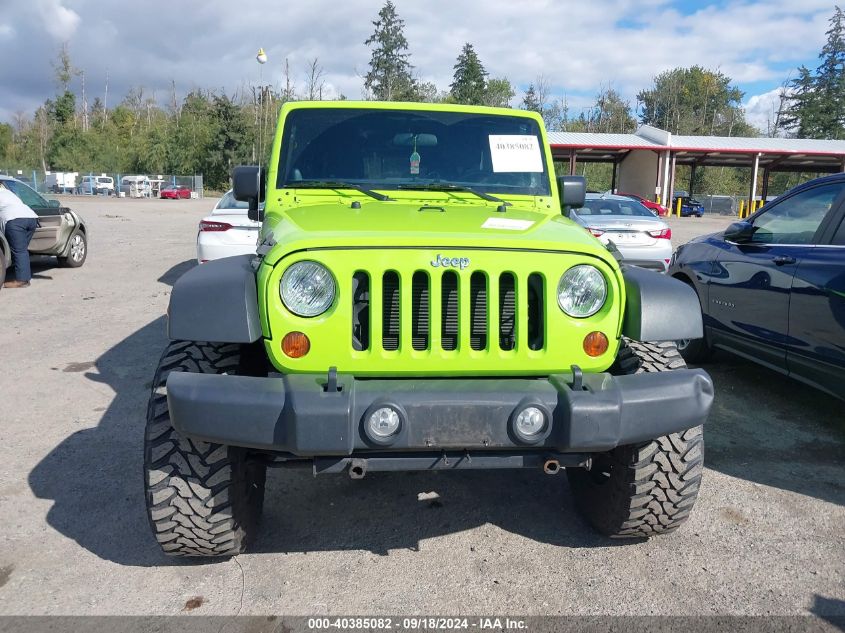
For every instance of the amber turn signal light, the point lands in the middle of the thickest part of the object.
(296, 344)
(595, 344)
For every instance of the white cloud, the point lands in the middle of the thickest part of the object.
(59, 21)
(577, 46)
(761, 110)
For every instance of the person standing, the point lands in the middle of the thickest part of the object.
(18, 222)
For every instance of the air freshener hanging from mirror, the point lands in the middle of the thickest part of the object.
(415, 159)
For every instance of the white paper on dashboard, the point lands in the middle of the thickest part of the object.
(507, 224)
(515, 153)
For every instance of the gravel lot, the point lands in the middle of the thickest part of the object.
(79, 349)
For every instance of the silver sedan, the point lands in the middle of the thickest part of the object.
(61, 232)
(641, 238)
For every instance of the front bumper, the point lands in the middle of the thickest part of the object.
(309, 416)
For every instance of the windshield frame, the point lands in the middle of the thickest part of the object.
(543, 188)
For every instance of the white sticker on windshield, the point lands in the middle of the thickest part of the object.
(515, 153)
(507, 224)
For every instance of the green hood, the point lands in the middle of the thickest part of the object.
(424, 224)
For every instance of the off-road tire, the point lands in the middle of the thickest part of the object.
(203, 499)
(642, 490)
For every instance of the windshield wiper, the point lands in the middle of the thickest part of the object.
(434, 186)
(335, 184)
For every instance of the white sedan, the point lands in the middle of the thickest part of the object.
(642, 238)
(227, 231)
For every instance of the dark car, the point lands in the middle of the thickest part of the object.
(772, 287)
(689, 205)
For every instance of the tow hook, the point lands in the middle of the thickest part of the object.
(551, 467)
(358, 468)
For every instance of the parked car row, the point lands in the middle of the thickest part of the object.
(130, 186)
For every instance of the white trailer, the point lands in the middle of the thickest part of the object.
(61, 181)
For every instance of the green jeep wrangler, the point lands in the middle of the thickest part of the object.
(420, 301)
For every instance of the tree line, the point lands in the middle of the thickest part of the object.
(209, 131)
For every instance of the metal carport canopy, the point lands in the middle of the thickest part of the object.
(778, 154)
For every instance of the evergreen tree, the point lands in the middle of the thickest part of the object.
(815, 102)
(531, 101)
(389, 77)
(469, 83)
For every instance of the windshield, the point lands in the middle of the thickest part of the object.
(600, 206)
(390, 149)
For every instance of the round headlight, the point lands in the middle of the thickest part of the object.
(307, 289)
(582, 291)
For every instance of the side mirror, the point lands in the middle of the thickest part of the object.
(739, 232)
(54, 204)
(248, 185)
(572, 191)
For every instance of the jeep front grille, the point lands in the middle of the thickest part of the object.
(447, 312)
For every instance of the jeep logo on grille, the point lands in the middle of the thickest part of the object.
(450, 262)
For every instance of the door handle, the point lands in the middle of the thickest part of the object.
(780, 260)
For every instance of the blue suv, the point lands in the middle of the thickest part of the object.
(772, 287)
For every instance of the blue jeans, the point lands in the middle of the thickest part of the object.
(19, 233)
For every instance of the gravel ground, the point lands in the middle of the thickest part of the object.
(79, 349)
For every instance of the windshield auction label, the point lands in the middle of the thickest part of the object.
(515, 153)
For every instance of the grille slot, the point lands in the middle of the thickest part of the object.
(478, 311)
(536, 310)
(420, 317)
(449, 301)
(390, 311)
(360, 311)
(507, 311)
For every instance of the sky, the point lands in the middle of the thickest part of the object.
(578, 46)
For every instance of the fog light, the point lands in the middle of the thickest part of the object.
(383, 423)
(296, 344)
(530, 422)
(595, 344)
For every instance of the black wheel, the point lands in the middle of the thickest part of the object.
(645, 489)
(203, 499)
(694, 350)
(77, 252)
(697, 350)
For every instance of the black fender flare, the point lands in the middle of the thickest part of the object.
(216, 301)
(659, 307)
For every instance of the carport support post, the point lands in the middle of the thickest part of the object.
(767, 171)
(613, 176)
(753, 191)
(671, 193)
(572, 162)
